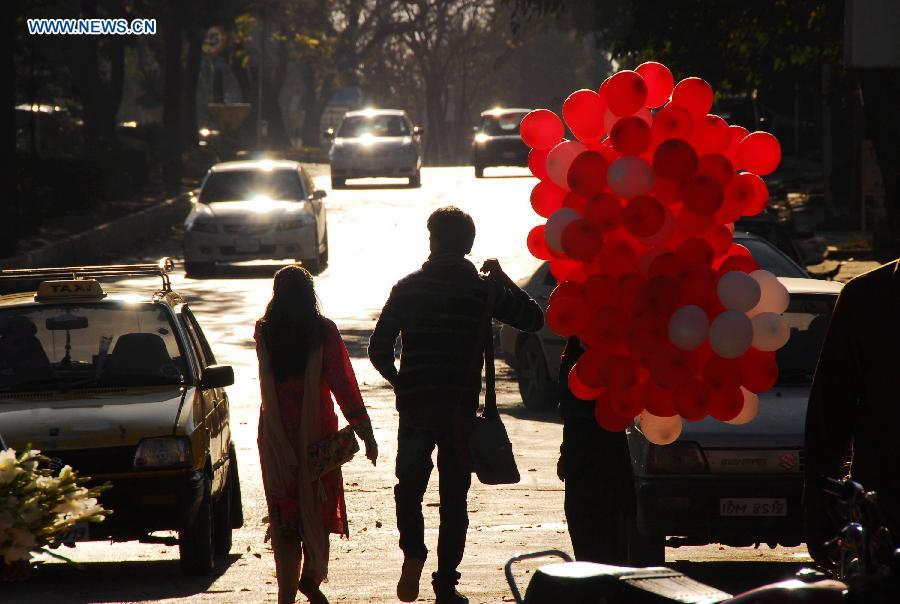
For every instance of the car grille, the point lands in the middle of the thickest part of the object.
(92, 462)
(246, 229)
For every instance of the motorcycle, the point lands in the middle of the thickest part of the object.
(866, 569)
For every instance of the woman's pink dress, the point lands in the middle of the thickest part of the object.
(337, 379)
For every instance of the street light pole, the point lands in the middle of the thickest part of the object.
(260, 70)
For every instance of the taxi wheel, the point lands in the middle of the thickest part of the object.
(479, 171)
(535, 384)
(195, 541)
(416, 180)
(222, 519)
(338, 183)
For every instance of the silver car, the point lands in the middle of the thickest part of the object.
(375, 142)
(256, 210)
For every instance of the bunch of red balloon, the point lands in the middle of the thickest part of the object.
(677, 319)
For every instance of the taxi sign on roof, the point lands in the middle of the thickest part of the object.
(68, 289)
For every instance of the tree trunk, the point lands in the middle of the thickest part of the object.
(191, 76)
(172, 99)
(116, 83)
(88, 69)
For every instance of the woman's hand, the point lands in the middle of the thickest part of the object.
(371, 450)
(365, 432)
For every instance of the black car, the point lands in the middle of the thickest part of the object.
(497, 141)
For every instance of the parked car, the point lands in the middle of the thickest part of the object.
(497, 141)
(120, 383)
(253, 210)
(375, 142)
(536, 356)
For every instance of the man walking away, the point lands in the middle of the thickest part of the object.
(436, 311)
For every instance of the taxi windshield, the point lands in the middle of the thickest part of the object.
(247, 185)
(376, 125)
(70, 346)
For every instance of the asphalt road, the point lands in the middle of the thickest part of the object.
(377, 234)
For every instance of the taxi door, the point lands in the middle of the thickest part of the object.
(215, 404)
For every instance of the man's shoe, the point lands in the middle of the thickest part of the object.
(408, 585)
(449, 595)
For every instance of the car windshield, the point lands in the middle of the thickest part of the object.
(769, 258)
(373, 125)
(502, 124)
(807, 316)
(69, 346)
(246, 185)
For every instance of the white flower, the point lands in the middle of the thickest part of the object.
(9, 467)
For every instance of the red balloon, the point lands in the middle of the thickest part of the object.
(537, 163)
(725, 405)
(695, 250)
(702, 195)
(580, 390)
(627, 289)
(740, 194)
(695, 95)
(759, 371)
(599, 291)
(666, 264)
(590, 365)
(625, 402)
(541, 129)
(667, 191)
(670, 366)
(562, 268)
(732, 261)
(698, 285)
(659, 82)
(626, 93)
(720, 238)
(608, 419)
(537, 243)
(565, 317)
(659, 297)
(630, 135)
(737, 135)
(672, 122)
(717, 167)
(758, 152)
(619, 372)
(575, 201)
(691, 399)
(649, 335)
(587, 174)
(608, 328)
(711, 135)
(605, 211)
(581, 240)
(656, 400)
(761, 199)
(546, 198)
(674, 159)
(691, 224)
(618, 258)
(583, 112)
(643, 216)
(722, 374)
(568, 289)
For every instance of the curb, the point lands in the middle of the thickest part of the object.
(87, 246)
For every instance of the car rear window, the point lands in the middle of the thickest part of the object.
(769, 258)
(73, 346)
(246, 185)
(503, 124)
(374, 125)
(807, 316)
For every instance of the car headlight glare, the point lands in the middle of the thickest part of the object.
(163, 452)
(203, 227)
(481, 138)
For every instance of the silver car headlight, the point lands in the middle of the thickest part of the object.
(164, 452)
(203, 227)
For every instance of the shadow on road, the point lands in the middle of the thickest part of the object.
(130, 581)
(735, 577)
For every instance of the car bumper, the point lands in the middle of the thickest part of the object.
(507, 154)
(400, 167)
(209, 247)
(690, 508)
(145, 504)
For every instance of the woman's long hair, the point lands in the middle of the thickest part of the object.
(292, 323)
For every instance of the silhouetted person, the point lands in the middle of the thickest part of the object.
(436, 311)
(21, 352)
(854, 404)
(594, 465)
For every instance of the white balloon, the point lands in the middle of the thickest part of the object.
(730, 334)
(660, 430)
(774, 296)
(770, 332)
(557, 223)
(630, 176)
(560, 158)
(748, 411)
(738, 291)
(688, 327)
(664, 232)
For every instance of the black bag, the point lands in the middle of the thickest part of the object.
(489, 448)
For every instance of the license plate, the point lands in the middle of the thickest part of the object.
(78, 532)
(753, 507)
(246, 246)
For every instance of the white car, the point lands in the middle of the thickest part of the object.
(256, 210)
(375, 142)
(536, 356)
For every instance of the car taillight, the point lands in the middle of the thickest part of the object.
(677, 458)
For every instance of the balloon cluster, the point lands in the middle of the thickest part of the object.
(677, 320)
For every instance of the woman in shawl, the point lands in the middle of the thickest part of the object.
(302, 363)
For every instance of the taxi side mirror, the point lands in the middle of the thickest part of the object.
(318, 194)
(217, 376)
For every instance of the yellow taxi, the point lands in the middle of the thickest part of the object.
(122, 385)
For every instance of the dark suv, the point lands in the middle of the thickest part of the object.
(497, 141)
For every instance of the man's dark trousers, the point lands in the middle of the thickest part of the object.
(421, 430)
